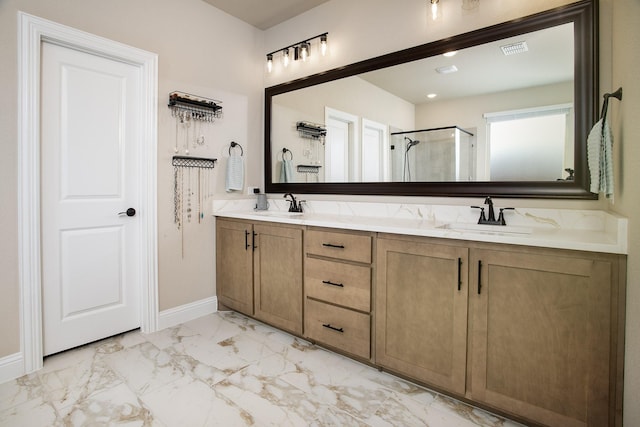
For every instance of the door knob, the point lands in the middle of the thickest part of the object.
(128, 212)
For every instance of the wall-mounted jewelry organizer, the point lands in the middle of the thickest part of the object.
(198, 107)
(314, 135)
(191, 189)
(311, 131)
(309, 168)
(188, 109)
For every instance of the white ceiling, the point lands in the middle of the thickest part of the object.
(484, 69)
(264, 14)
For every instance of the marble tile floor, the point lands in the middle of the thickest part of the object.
(223, 369)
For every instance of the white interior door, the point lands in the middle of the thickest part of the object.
(341, 146)
(90, 139)
(375, 149)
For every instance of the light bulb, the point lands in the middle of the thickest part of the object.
(323, 45)
(285, 57)
(304, 51)
(269, 63)
(434, 9)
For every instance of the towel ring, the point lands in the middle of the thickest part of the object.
(235, 144)
(285, 151)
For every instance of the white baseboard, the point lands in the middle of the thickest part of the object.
(11, 367)
(184, 313)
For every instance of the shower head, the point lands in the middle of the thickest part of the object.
(411, 143)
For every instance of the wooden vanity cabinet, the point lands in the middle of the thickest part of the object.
(543, 342)
(534, 333)
(338, 290)
(234, 264)
(259, 271)
(421, 310)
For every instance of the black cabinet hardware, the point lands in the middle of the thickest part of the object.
(333, 328)
(329, 282)
(479, 276)
(246, 240)
(459, 273)
(329, 245)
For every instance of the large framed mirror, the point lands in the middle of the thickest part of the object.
(510, 118)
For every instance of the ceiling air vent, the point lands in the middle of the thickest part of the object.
(514, 48)
(447, 70)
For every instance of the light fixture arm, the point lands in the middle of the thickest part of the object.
(298, 43)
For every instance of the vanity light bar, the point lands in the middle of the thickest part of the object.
(301, 50)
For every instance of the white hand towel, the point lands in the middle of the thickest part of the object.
(606, 162)
(286, 171)
(600, 158)
(594, 147)
(235, 173)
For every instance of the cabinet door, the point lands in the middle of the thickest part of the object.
(278, 276)
(234, 269)
(421, 311)
(541, 336)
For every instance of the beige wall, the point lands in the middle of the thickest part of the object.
(202, 51)
(624, 119)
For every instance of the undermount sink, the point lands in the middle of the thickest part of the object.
(279, 213)
(485, 228)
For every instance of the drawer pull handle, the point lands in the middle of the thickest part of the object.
(328, 282)
(329, 245)
(479, 276)
(333, 328)
(459, 273)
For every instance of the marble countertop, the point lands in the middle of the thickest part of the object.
(585, 230)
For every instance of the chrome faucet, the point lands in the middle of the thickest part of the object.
(294, 205)
(491, 220)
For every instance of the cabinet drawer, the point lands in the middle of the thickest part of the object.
(344, 284)
(338, 327)
(348, 247)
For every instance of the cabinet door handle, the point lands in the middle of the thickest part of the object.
(330, 245)
(329, 282)
(253, 241)
(479, 276)
(459, 273)
(246, 240)
(333, 328)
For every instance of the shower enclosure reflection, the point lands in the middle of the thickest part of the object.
(441, 154)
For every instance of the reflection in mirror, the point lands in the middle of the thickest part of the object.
(502, 109)
(442, 154)
(528, 71)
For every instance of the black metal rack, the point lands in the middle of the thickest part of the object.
(193, 162)
(196, 107)
(311, 130)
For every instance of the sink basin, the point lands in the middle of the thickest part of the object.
(279, 213)
(484, 228)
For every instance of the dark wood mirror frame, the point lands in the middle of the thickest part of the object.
(585, 19)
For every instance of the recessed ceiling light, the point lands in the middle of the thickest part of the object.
(432, 95)
(450, 54)
(514, 48)
(447, 70)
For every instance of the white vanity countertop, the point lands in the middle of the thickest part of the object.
(585, 230)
